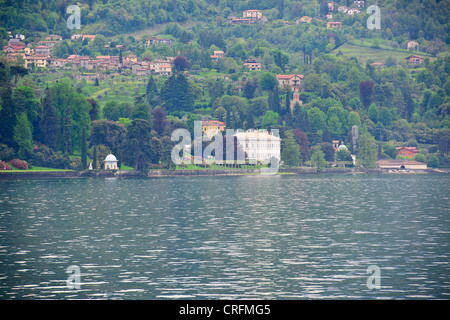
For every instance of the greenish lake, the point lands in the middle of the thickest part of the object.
(240, 237)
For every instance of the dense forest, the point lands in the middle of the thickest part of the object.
(48, 122)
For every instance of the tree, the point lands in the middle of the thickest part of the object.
(97, 83)
(49, 124)
(93, 113)
(23, 137)
(180, 63)
(7, 115)
(178, 94)
(25, 101)
(342, 154)
(140, 111)
(433, 161)
(367, 150)
(94, 157)
(318, 159)
(303, 142)
(108, 133)
(268, 81)
(373, 113)
(137, 146)
(385, 116)
(335, 126)
(250, 87)
(316, 119)
(291, 150)
(444, 143)
(160, 123)
(67, 132)
(83, 150)
(270, 119)
(280, 8)
(328, 150)
(365, 92)
(220, 113)
(390, 150)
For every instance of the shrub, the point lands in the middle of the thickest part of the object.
(75, 164)
(44, 156)
(154, 166)
(19, 164)
(4, 166)
(433, 161)
(6, 153)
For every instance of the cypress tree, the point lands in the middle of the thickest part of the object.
(119, 158)
(49, 121)
(7, 116)
(288, 101)
(67, 132)
(83, 149)
(276, 100)
(94, 161)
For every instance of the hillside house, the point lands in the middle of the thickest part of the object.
(332, 6)
(253, 65)
(236, 21)
(252, 14)
(353, 11)
(36, 61)
(412, 45)
(407, 151)
(334, 25)
(53, 37)
(211, 127)
(414, 59)
(293, 80)
(42, 50)
(154, 40)
(304, 19)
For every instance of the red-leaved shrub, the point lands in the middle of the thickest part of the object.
(4, 166)
(19, 164)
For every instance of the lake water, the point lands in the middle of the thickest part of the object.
(251, 237)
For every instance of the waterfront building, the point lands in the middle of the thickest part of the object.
(259, 145)
(111, 162)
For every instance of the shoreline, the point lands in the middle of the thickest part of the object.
(187, 173)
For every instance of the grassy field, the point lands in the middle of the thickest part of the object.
(35, 169)
(120, 90)
(365, 51)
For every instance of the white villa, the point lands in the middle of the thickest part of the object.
(111, 162)
(259, 144)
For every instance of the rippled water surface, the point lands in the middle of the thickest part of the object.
(253, 237)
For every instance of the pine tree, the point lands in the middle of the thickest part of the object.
(49, 121)
(291, 150)
(83, 150)
(318, 159)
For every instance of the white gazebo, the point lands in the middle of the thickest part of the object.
(110, 162)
